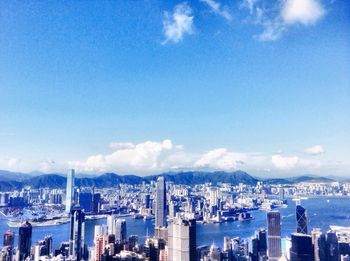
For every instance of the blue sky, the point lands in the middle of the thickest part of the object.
(149, 86)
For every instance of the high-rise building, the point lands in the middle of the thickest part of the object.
(120, 230)
(302, 248)
(110, 224)
(101, 241)
(301, 218)
(274, 235)
(182, 240)
(77, 231)
(70, 190)
(24, 241)
(86, 201)
(160, 203)
(9, 238)
(332, 247)
(315, 235)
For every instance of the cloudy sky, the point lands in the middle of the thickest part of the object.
(149, 86)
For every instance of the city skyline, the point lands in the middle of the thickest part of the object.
(261, 86)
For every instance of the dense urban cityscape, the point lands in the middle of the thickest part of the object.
(174, 130)
(176, 210)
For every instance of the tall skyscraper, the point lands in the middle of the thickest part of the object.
(182, 244)
(302, 248)
(24, 240)
(315, 235)
(301, 218)
(332, 247)
(160, 203)
(110, 224)
(9, 238)
(120, 230)
(77, 230)
(70, 190)
(274, 235)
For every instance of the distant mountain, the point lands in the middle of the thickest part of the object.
(9, 175)
(200, 177)
(13, 180)
(310, 179)
(46, 180)
(10, 185)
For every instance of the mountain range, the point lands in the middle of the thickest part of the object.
(16, 180)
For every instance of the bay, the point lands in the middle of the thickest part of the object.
(322, 212)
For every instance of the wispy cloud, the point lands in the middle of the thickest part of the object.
(218, 9)
(178, 23)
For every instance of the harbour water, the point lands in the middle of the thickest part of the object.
(322, 212)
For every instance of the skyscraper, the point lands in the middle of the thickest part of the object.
(24, 240)
(302, 248)
(120, 230)
(332, 247)
(315, 235)
(9, 238)
(274, 235)
(301, 219)
(70, 191)
(77, 229)
(110, 224)
(182, 240)
(160, 203)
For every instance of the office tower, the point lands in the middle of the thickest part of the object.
(9, 238)
(322, 247)
(120, 230)
(301, 219)
(70, 191)
(110, 224)
(100, 230)
(182, 240)
(262, 244)
(332, 247)
(315, 235)
(281, 193)
(77, 229)
(274, 235)
(96, 202)
(160, 203)
(146, 200)
(24, 240)
(302, 248)
(86, 201)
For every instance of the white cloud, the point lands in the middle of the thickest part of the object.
(276, 17)
(177, 24)
(305, 12)
(284, 163)
(314, 150)
(152, 157)
(143, 157)
(221, 159)
(218, 9)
